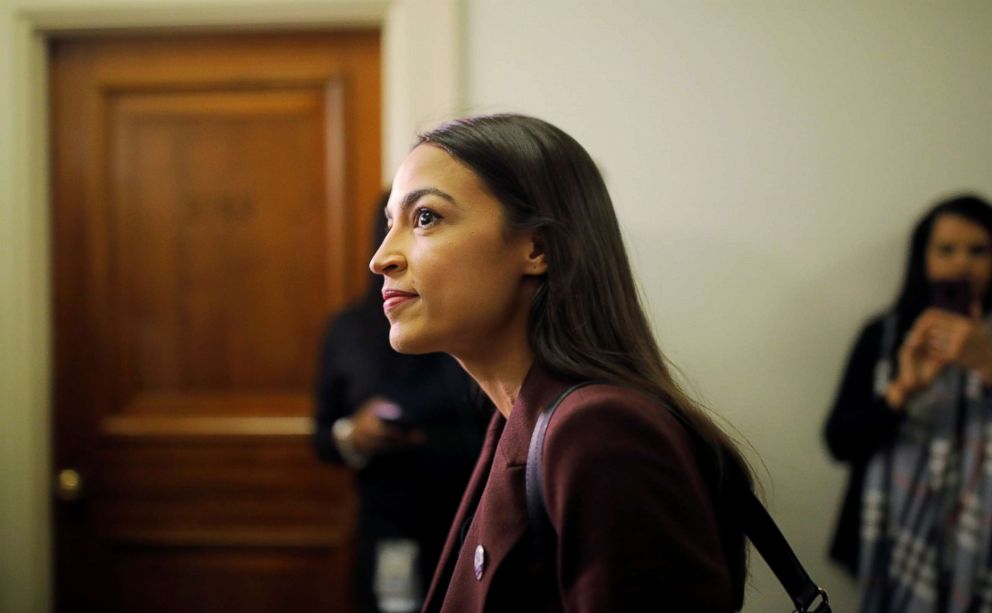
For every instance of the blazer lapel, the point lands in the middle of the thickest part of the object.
(470, 500)
(500, 518)
(499, 523)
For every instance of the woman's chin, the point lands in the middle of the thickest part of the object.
(407, 343)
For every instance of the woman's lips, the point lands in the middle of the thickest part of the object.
(391, 299)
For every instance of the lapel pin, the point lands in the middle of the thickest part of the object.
(480, 562)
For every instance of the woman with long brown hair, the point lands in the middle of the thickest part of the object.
(505, 252)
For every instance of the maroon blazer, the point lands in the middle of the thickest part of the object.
(636, 529)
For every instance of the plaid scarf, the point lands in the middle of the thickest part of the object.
(926, 526)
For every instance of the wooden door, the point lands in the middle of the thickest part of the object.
(211, 204)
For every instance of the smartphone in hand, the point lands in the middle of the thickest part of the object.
(952, 295)
(393, 415)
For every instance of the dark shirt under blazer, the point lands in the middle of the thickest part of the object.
(636, 529)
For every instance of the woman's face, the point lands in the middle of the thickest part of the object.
(959, 249)
(456, 279)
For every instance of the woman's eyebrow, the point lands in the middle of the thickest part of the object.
(412, 197)
(417, 194)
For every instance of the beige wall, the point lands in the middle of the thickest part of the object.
(766, 163)
(766, 160)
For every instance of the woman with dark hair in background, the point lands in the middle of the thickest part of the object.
(408, 426)
(913, 417)
(505, 252)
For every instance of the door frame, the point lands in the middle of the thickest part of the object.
(409, 103)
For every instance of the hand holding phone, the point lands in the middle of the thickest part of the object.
(379, 427)
(392, 414)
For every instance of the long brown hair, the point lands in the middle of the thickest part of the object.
(586, 320)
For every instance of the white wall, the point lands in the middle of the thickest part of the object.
(767, 160)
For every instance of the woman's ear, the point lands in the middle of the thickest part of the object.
(537, 263)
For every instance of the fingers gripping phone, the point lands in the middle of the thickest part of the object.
(393, 414)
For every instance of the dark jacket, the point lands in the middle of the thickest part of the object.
(860, 423)
(411, 493)
(636, 530)
(433, 390)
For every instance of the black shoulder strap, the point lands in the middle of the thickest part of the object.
(544, 532)
(761, 530)
(758, 525)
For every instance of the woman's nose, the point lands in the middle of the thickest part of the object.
(387, 258)
(961, 261)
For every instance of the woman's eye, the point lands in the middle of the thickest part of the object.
(425, 218)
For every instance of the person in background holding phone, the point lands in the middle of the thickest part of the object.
(913, 418)
(409, 427)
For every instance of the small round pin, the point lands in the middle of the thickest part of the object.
(480, 562)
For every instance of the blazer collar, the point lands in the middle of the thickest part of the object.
(539, 388)
(507, 440)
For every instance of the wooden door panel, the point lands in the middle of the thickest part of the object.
(211, 203)
(145, 580)
(216, 489)
(221, 240)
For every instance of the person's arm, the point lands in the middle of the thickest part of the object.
(343, 432)
(330, 395)
(636, 530)
(860, 421)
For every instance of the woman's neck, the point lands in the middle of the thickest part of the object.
(500, 378)
(500, 363)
